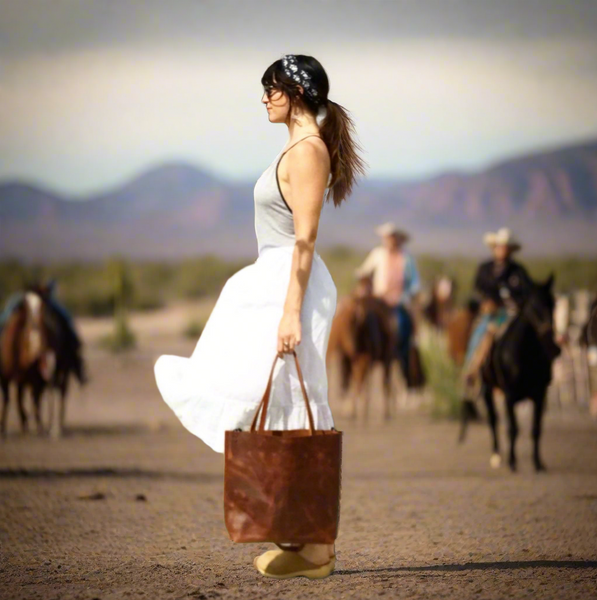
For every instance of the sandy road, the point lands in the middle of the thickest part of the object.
(421, 516)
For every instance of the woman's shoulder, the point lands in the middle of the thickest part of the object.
(310, 149)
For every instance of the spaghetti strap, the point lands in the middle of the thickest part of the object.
(295, 143)
(278, 163)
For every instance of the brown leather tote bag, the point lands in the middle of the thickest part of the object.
(282, 486)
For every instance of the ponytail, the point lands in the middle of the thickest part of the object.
(337, 130)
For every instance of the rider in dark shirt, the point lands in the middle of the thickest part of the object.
(505, 282)
(502, 285)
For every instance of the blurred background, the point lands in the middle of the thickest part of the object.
(132, 134)
(136, 128)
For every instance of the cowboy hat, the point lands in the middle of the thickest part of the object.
(502, 237)
(390, 228)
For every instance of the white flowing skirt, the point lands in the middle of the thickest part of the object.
(220, 386)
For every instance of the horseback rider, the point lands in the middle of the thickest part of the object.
(501, 285)
(395, 279)
(65, 318)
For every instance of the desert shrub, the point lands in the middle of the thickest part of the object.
(193, 329)
(119, 340)
(443, 377)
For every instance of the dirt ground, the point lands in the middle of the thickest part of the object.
(128, 504)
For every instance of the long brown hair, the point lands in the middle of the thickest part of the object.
(337, 129)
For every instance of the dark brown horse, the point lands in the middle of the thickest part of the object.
(363, 333)
(35, 354)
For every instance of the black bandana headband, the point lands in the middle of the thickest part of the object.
(299, 75)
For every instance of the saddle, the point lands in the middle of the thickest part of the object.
(495, 331)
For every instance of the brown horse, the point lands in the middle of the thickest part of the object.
(459, 328)
(363, 333)
(439, 311)
(34, 354)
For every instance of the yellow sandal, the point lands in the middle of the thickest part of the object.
(284, 564)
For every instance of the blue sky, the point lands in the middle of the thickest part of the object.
(94, 92)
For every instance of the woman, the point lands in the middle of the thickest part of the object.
(282, 302)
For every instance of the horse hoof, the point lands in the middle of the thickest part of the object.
(540, 468)
(495, 461)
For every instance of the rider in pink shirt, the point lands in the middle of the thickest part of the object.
(395, 279)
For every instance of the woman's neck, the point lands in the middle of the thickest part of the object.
(300, 127)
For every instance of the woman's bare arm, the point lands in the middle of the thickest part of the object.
(307, 171)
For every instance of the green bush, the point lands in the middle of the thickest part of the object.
(443, 377)
(121, 339)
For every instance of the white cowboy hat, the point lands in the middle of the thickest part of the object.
(390, 228)
(502, 237)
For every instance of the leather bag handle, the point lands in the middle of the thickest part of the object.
(264, 404)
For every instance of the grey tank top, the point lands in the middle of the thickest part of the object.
(274, 225)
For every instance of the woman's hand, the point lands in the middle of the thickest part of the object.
(289, 332)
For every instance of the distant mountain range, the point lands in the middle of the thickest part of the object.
(177, 209)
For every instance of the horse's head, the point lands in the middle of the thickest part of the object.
(444, 289)
(34, 326)
(43, 290)
(538, 310)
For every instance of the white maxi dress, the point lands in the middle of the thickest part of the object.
(220, 385)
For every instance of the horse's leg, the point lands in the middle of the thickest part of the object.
(37, 392)
(512, 431)
(362, 367)
(493, 421)
(22, 413)
(5, 400)
(63, 392)
(352, 386)
(366, 390)
(359, 371)
(387, 388)
(345, 373)
(538, 406)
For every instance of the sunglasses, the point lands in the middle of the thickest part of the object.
(272, 92)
